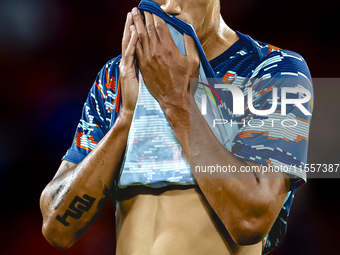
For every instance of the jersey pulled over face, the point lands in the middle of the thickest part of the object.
(202, 14)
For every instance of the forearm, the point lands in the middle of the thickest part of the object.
(243, 202)
(166, 73)
(199, 144)
(73, 199)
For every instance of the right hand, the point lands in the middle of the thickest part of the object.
(127, 67)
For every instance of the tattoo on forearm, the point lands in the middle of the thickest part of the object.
(102, 201)
(76, 210)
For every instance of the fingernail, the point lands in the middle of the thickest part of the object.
(131, 28)
(128, 16)
(134, 11)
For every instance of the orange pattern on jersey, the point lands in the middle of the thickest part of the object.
(262, 91)
(226, 78)
(77, 141)
(300, 138)
(271, 49)
(101, 92)
(302, 119)
(248, 134)
(257, 82)
(110, 82)
(269, 162)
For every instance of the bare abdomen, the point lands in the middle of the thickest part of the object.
(174, 222)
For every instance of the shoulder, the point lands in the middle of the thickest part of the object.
(110, 69)
(102, 95)
(275, 61)
(255, 59)
(105, 84)
(280, 68)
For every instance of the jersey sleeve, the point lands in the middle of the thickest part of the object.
(97, 117)
(276, 140)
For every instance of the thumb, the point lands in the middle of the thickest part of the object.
(190, 48)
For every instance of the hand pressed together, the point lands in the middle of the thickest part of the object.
(128, 68)
(166, 71)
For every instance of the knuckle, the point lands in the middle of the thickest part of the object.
(147, 61)
(156, 55)
(158, 25)
(125, 55)
(150, 28)
(196, 61)
(124, 42)
(142, 34)
(169, 51)
(121, 68)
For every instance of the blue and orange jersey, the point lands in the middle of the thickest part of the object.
(247, 63)
(98, 114)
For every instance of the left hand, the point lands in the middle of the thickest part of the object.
(166, 71)
(127, 67)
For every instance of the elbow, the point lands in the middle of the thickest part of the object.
(250, 231)
(248, 235)
(53, 233)
(55, 237)
(252, 226)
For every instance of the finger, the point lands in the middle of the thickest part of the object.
(140, 27)
(190, 48)
(130, 50)
(126, 33)
(162, 29)
(139, 50)
(150, 27)
(135, 62)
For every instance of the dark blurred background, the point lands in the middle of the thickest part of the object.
(50, 53)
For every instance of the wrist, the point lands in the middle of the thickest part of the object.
(181, 104)
(126, 114)
(177, 113)
(124, 118)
